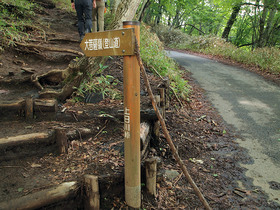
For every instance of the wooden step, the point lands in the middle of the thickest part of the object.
(28, 107)
(43, 198)
(21, 146)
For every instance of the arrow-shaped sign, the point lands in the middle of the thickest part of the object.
(109, 43)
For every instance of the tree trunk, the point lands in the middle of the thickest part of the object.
(260, 41)
(114, 5)
(176, 19)
(158, 17)
(169, 20)
(144, 6)
(274, 33)
(125, 12)
(231, 21)
(254, 25)
(269, 26)
(266, 22)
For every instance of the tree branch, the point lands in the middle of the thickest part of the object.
(251, 4)
(243, 45)
(195, 28)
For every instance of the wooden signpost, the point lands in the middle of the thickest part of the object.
(109, 43)
(122, 43)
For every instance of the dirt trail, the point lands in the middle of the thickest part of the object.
(95, 136)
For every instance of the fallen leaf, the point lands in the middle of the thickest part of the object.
(34, 165)
(20, 189)
(193, 160)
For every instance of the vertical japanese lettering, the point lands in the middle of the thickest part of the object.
(126, 123)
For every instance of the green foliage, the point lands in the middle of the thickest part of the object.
(267, 58)
(18, 8)
(63, 4)
(104, 84)
(15, 20)
(168, 35)
(154, 57)
(246, 22)
(108, 18)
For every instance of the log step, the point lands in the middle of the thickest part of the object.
(21, 146)
(28, 107)
(26, 138)
(43, 198)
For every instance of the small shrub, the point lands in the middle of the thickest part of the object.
(169, 36)
(265, 58)
(15, 20)
(104, 84)
(154, 56)
(63, 4)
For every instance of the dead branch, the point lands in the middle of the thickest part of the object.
(177, 97)
(157, 73)
(238, 193)
(193, 26)
(105, 124)
(165, 131)
(181, 104)
(49, 48)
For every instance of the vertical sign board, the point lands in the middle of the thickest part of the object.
(122, 43)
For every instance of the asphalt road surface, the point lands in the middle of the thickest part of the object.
(252, 106)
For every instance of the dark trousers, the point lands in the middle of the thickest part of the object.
(84, 14)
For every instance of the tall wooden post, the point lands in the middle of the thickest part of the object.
(131, 73)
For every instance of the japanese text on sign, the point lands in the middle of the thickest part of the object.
(102, 43)
(126, 123)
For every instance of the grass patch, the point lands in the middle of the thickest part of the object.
(16, 21)
(63, 4)
(154, 57)
(267, 59)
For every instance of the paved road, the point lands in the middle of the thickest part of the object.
(249, 103)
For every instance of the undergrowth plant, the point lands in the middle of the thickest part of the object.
(154, 57)
(15, 20)
(63, 4)
(104, 84)
(265, 58)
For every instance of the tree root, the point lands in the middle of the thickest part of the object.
(35, 81)
(33, 46)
